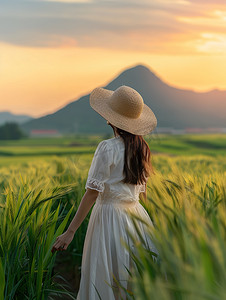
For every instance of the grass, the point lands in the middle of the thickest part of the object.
(189, 214)
(41, 185)
(27, 230)
(211, 145)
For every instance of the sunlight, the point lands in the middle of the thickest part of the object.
(221, 14)
(212, 43)
(212, 18)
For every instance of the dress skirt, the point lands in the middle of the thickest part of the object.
(104, 255)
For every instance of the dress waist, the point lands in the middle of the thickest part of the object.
(124, 203)
(113, 197)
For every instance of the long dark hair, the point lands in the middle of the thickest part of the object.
(137, 162)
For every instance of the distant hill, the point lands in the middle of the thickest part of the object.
(6, 116)
(173, 107)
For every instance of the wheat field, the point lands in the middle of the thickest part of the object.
(186, 202)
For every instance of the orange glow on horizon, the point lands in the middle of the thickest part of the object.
(38, 81)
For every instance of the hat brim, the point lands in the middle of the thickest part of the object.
(140, 126)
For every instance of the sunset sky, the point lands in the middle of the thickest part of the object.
(52, 52)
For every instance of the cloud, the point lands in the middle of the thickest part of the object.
(69, 1)
(157, 26)
(207, 2)
(212, 42)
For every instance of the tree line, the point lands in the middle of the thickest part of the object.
(11, 131)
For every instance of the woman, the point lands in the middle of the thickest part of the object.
(117, 176)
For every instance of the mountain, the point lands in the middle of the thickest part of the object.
(173, 107)
(6, 116)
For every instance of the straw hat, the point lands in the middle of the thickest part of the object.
(124, 108)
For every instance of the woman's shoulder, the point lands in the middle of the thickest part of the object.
(110, 146)
(111, 142)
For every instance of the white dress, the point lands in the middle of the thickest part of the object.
(104, 254)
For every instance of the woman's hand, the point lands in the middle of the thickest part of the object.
(62, 241)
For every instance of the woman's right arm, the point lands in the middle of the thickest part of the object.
(87, 202)
(65, 239)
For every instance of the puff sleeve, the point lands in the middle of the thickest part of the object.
(99, 170)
